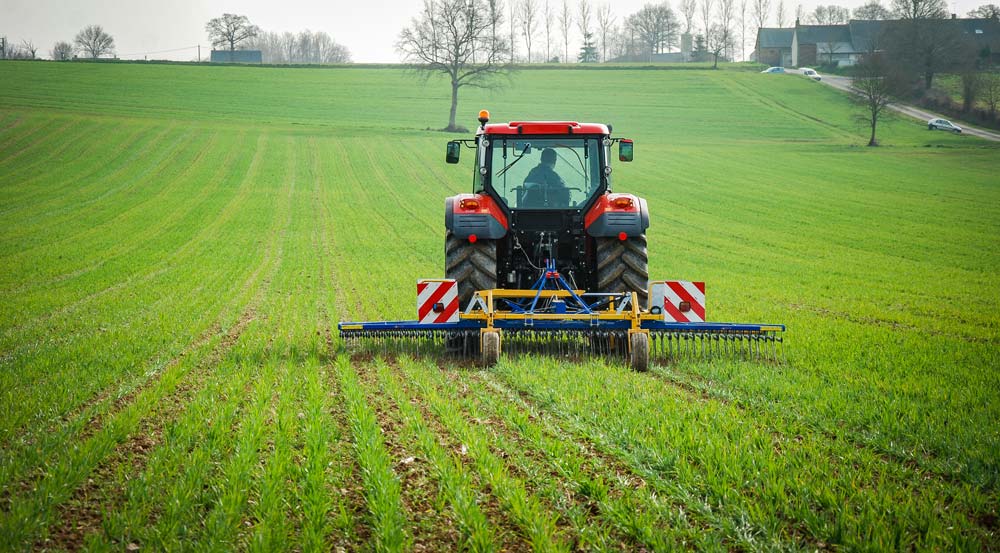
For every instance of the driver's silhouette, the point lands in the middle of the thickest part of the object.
(544, 187)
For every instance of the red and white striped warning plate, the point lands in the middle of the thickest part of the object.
(682, 301)
(437, 301)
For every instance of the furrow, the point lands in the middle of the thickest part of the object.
(476, 513)
(617, 495)
(96, 510)
(543, 530)
(382, 485)
(28, 514)
(432, 527)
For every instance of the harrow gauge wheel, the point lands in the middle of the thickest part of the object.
(490, 347)
(639, 351)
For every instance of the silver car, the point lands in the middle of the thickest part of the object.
(774, 70)
(943, 125)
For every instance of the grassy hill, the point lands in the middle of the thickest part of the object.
(178, 242)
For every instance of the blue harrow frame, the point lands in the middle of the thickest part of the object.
(553, 317)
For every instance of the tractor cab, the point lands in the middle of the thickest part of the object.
(544, 173)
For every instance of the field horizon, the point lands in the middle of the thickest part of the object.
(179, 242)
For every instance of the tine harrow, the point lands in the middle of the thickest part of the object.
(553, 319)
(764, 344)
(664, 345)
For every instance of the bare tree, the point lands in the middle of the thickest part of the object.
(513, 40)
(688, 10)
(718, 40)
(496, 19)
(972, 84)
(584, 12)
(624, 45)
(830, 15)
(62, 51)
(706, 14)
(871, 81)
(872, 11)
(94, 42)
(648, 30)
(924, 40)
(990, 92)
(14, 52)
(29, 48)
(920, 9)
(548, 31)
(230, 30)
(442, 40)
(630, 37)
(761, 12)
(779, 13)
(565, 23)
(656, 28)
(606, 24)
(529, 14)
(727, 12)
(986, 11)
(743, 30)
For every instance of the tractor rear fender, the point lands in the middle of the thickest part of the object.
(474, 214)
(613, 214)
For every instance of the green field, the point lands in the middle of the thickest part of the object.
(177, 244)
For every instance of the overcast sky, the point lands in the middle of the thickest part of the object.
(149, 27)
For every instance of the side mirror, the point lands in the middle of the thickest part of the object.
(625, 150)
(454, 150)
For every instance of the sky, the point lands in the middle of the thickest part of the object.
(172, 29)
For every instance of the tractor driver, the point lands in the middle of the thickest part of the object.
(543, 185)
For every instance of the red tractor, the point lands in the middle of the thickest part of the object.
(542, 190)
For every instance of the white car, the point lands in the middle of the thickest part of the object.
(811, 73)
(943, 125)
(774, 70)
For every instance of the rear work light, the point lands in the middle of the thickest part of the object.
(469, 203)
(622, 203)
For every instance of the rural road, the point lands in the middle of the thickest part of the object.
(844, 83)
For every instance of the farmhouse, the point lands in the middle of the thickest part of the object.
(774, 46)
(236, 56)
(843, 45)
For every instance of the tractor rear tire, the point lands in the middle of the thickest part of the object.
(623, 266)
(473, 265)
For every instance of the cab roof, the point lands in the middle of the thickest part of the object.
(544, 127)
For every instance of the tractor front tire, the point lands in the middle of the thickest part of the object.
(473, 265)
(623, 266)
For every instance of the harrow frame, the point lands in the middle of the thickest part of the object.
(551, 312)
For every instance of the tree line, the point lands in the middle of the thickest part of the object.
(566, 31)
(229, 31)
(307, 47)
(91, 42)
